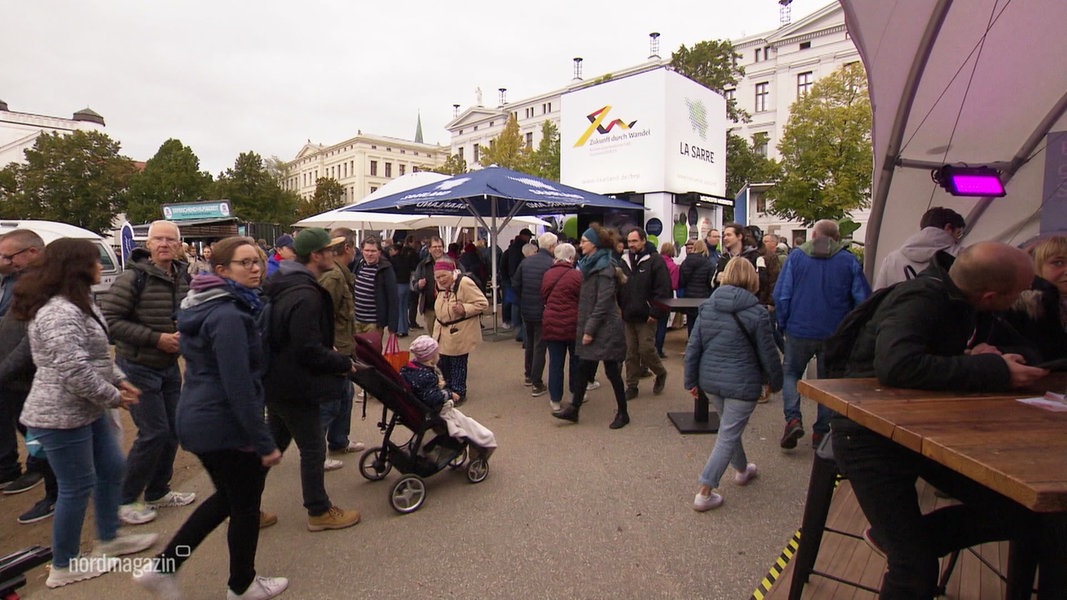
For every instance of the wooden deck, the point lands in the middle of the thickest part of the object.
(845, 555)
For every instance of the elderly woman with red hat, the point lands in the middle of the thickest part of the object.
(458, 330)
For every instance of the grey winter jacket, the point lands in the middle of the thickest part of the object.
(137, 324)
(720, 359)
(76, 378)
(599, 316)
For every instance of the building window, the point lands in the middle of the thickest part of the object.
(414, 168)
(459, 152)
(402, 151)
(476, 128)
(476, 153)
(374, 168)
(403, 169)
(799, 237)
(804, 83)
(762, 93)
(728, 94)
(761, 202)
(373, 189)
(759, 54)
(388, 169)
(759, 144)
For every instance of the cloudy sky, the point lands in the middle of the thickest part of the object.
(226, 77)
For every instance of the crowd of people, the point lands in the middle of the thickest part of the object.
(273, 334)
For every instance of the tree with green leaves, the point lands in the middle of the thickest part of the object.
(826, 151)
(544, 161)
(255, 193)
(713, 64)
(172, 175)
(329, 194)
(453, 165)
(508, 149)
(77, 178)
(745, 165)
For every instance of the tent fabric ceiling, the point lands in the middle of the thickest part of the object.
(959, 82)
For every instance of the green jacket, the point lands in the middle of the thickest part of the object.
(338, 281)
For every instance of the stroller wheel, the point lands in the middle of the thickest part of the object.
(458, 461)
(408, 494)
(477, 470)
(369, 465)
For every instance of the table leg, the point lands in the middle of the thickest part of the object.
(816, 507)
(701, 420)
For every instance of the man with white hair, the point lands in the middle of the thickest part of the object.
(139, 309)
(527, 284)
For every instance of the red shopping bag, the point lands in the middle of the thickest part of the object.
(393, 354)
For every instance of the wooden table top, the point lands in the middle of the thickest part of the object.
(1010, 447)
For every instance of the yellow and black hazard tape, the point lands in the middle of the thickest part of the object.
(777, 568)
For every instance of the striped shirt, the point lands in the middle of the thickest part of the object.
(366, 307)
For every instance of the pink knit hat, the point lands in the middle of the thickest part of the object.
(423, 348)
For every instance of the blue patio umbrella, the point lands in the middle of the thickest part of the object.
(490, 194)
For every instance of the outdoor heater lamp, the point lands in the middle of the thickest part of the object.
(983, 182)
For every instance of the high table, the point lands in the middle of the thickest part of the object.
(702, 419)
(1015, 449)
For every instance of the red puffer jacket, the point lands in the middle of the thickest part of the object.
(560, 289)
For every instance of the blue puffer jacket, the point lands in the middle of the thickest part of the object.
(820, 283)
(719, 356)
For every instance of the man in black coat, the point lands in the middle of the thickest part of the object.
(527, 283)
(647, 281)
(920, 336)
(305, 369)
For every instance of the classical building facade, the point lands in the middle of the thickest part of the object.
(19, 130)
(780, 65)
(361, 164)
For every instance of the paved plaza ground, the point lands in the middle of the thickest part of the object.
(568, 511)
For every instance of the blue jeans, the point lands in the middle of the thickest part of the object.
(86, 460)
(403, 292)
(733, 418)
(336, 418)
(558, 352)
(798, 352)
(150, 463)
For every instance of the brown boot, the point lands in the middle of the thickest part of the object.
(267, 519)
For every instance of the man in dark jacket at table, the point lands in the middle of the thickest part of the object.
(920, 337)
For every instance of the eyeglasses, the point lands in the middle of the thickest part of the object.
(9, 257)
(248, 262)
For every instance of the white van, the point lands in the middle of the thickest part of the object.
(50, 230)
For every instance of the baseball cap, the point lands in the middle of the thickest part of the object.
(314, 239)
(284, 241)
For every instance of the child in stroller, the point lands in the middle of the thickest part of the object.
(454, 436)
(428, 385)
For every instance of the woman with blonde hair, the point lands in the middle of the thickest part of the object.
(1040, 313)
(694, 277)
(731, 355)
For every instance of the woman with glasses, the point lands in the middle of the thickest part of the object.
(220, 418)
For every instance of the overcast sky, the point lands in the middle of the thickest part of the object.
(226, 77)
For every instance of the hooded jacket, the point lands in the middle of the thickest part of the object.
(647, 279)
(914, 256)
(221, 406)
(304, 367)
(719, 357)
(820, 283)
(694, 276)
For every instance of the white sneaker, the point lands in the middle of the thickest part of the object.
(130, 543)
(262, 588)
(702, 503)
(750, 473)
(351, 447)
(594, 384)
(79, 569)
(163, 585)
(172, 499)
(332, 464)
(555, 406)
(136, 513)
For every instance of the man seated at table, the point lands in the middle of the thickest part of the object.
(920, 337)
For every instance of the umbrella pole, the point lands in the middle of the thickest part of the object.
(496, 276)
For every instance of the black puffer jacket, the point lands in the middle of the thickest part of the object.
(16, 366)
(304, 367)
(917, 336)
(136, 321)
(527, 284)
(694, 276)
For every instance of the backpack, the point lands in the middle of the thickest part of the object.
(838, 347)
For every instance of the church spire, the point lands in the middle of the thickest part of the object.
(418, 130)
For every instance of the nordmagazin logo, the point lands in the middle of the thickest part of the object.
(596, 123)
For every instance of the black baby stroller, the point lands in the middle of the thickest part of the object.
(412, 458)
